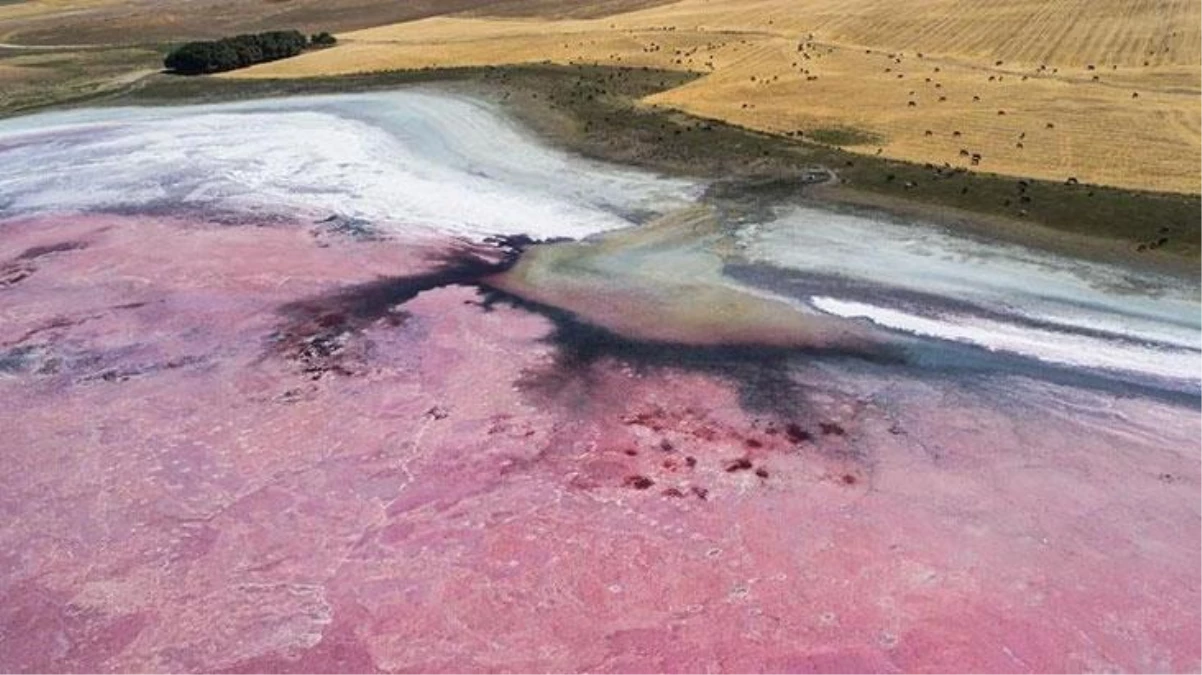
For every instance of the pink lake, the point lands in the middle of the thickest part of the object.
(286, 386)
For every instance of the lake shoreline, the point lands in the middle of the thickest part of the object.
(616, 128)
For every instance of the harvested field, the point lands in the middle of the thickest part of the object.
(1106, 93)
(47, 22)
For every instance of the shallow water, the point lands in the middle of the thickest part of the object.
(923, 281)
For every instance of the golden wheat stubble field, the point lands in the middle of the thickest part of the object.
(1105, 91)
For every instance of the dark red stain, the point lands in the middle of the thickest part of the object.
(666, 445)
(796, 434)
(753, 443)
(672, 492)
(848, 479)
(690, 461)
(761, 472)
(831, 429)
(639, 482)
(701, 492)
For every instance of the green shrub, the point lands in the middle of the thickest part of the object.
(322, 40)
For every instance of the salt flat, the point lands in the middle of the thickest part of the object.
(407, 160)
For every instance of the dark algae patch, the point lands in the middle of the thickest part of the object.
(316, 332)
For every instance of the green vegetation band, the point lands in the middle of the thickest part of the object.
(240, 51)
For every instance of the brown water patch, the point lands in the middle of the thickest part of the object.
(662, 282)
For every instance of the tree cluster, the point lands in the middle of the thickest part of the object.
(240, 51)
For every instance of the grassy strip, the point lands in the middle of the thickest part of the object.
(53, 77)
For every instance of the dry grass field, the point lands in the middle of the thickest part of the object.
(33, 78)
(75, 22)
(1104, 91)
